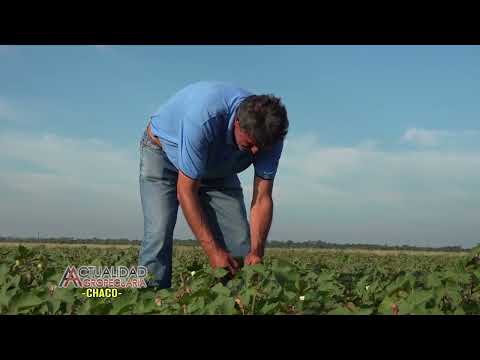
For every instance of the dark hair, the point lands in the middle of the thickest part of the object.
(264, 118)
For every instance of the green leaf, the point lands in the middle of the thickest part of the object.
(462, 278)
(43, 309)
(341, 310)
(226, 305)
(97, 308)
(3, 273)
(202, 292)
(400, 283)
(364, 311)
(404, 307)
(259, 268)
(27, 300)
(290, 295)
(14, 281)
(420, 310)
(269, 308)
(85, 308)
(123, 303)
(420, 297)
(285, 278)
(281, 265)
(325, 277)
(220, 273)
(246, 296)
(165, 293)
(221, 290)
(51, 275)
(436, 311)
(433, 281)
(329, 287)
(146, 294)
(4, 296)
(196, 306)
(23, 251)
(385, 307)
(459, 311)
(65, 295)
(53, 305)
(455, 296)
(477, 274)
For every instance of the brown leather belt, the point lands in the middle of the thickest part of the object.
(153, 138)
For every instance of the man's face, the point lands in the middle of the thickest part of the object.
(244, 142)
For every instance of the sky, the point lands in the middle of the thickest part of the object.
(383, 145)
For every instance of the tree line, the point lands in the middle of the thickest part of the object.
(318, 244)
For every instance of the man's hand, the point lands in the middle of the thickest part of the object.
(252, 259)
(222, 259)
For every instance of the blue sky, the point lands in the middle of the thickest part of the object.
(383, 145)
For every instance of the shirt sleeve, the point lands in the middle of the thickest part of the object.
(193, 150)
(266, 162)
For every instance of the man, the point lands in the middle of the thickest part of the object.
(190, 154)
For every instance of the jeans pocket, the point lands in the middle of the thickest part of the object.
(143, 140)
(147, 142)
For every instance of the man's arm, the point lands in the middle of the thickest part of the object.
(187, 194)
(261, 212)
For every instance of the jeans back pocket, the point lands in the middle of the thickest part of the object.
(147, 142)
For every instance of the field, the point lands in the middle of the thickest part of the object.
(288, 282)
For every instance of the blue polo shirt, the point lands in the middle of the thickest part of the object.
(195, 127)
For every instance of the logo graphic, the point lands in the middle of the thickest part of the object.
(70, 276)
(104, 277)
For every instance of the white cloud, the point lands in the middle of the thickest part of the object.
(375, 169)
(432, 138)
(88, 160)
(423, 137)
(48, 181)
(369, 145)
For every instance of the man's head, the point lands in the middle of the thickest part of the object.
(261, 122)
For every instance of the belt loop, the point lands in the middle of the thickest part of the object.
(152, 138)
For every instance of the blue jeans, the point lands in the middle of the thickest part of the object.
(221, 200)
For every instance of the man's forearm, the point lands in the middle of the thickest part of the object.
(261, 213)
(197, 220)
